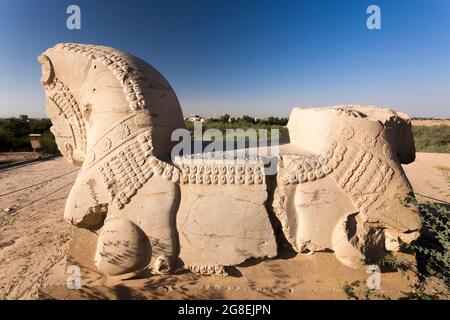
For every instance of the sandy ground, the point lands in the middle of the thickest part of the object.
(33, 237)
(7, 157)
(430, 176)
(429, 123)
(34, 241)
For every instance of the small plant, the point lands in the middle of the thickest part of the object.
(17, 280)
(389, 261)
(367, 293)
(48, 143)
(349, 291)
(432, 251)
(432, 138)
(419, 292)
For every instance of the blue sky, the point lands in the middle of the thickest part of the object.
(247, 57)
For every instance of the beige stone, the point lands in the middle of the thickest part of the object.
(122, 246)
(339, 186)
(113, 115)
(222, 219)
(345, 187)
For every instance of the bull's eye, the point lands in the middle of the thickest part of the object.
(47, 69)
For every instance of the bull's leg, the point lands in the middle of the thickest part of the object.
(145, 228)
(122, 248)
(355, 240)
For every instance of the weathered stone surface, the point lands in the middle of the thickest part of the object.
(339, 185)
(82, 248)
(122, 247)
(113, 115)
(347, 188)
(222, 219)
(224, 224)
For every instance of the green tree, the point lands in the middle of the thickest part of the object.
(225, 118)
(48, 143)
(6, 139)
(17, 127)
(39, 125)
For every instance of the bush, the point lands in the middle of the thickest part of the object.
(48, 143)
(22, 144)
(244, 123)
(39, 125)
(6, 139)
(14, 134)
(432, 138)
(10, 142)
(18, 127)
(433, 247)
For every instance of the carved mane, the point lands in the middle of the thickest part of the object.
(96, 90)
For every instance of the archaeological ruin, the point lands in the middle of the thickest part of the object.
(339, 185)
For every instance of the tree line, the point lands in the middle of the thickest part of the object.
(14, 134)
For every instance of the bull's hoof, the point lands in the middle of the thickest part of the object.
(122, 248)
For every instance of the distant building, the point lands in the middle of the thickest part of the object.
(195, 117)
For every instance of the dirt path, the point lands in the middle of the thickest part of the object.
(7, 157)
(434, 122)
(430, 176)
(35, 238)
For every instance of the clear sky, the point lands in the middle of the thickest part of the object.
(247, 57)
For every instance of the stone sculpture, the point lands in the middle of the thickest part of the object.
(347, 192)
(339, 187)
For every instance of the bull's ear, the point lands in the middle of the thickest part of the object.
(48, 73)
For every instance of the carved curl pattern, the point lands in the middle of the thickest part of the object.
(130, 167)
(128, 75)
(347, 132)
(208, 172)
(364, 177)
(69, 108)
(301, 169)
(207, 270)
